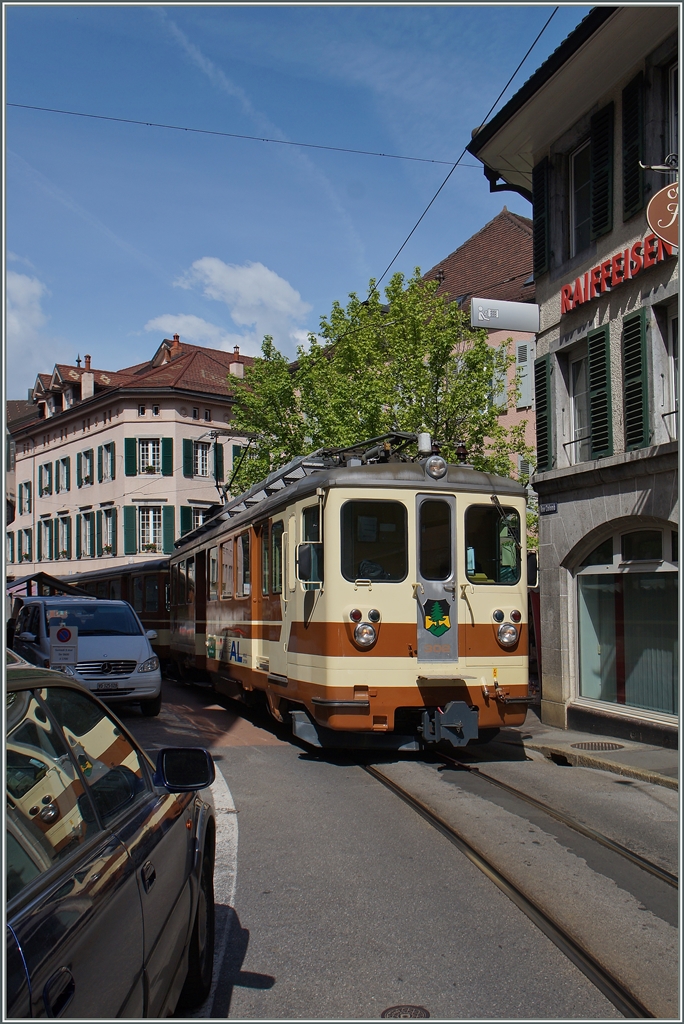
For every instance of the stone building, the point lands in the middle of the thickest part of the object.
(579, 139)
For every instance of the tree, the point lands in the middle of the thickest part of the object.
(413, 364)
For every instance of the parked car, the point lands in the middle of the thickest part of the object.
(109, 860)
(115, 658)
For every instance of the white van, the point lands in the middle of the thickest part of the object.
(115, 659)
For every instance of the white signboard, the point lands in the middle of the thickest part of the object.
(63, 645)
(497, 315)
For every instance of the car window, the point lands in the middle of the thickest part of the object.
(111, 766)
(93, 618)
(21, 621)
(49, 814)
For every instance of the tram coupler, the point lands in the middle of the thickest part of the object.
(456, 724)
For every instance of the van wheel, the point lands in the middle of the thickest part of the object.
(201, 953)
(151, 708)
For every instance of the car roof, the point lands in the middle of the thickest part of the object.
(70, 599)
(25, 677)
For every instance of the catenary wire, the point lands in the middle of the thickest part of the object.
(234, 135)
(484, 121)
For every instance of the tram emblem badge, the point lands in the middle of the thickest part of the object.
(437, 620)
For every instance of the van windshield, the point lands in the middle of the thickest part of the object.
(93, 618)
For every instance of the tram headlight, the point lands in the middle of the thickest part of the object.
(436, 467)
(365, 634)
(507, 634)
(374, 615)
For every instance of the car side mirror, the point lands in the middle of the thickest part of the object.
(532, 569)
(183, 769)
(28, 638)
(151, 634)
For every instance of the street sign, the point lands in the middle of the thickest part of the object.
(662, 214)
(63, 645)
(497, 315)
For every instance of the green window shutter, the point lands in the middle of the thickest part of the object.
(91, 540)
(167, 456)
(540, 214)
(185, 519)
(601, 182)
(114, 520)
(98, 533)
(635, 378)
(48, 470)
(168, 528)
(632, 147)
(130, 515)
(20, 544)
(20, 500)
(130, 456)
(56, 476)
(68, 537)
(100, 464)
(40, 481)
(39, 541)
(187, 457)
(51, 540)
(78, 536)
(218, 461)
(600, 419)
(112, 460)
(68, 472)
(29, 544)
(79, 470)
(542, 402)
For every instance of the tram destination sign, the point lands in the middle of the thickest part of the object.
(497, 315)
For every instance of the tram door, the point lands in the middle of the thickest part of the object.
(435, 589)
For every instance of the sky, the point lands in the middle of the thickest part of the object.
(119, 235)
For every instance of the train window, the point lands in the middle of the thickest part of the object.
(264, 559)
(374, 541)
(244, 587)
(213, 574)
(435, 540)
(115, 590)
(181, 582)
(227, 569)
(151, 594)
(311, 527)
(277, 557)
(102, 589)
(190, 580)
(173, 579)
(492, 539)
(138, 593)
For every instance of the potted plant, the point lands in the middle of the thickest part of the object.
(149, 547)
(149, 469)
(63, 553)
(26, 557)
(107, 549)
(87, 480)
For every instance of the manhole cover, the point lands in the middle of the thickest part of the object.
(597, 745)
(405, 1012)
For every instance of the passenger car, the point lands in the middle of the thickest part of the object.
(115, 658)
(109, 860)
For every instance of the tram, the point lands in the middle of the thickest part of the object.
(145, 585)
(369, 596)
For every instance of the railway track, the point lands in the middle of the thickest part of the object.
(616, 992)
(577, 826)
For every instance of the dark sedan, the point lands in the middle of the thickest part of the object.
(109, 860)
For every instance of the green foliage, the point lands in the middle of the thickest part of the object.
(414, 366)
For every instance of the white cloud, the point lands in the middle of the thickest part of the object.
(256, 297)
(29, 350)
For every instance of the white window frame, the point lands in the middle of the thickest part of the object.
(107, 531)
(573, 156)
(45, 526)
(201, 454)
(576, 437)
(10, 547)
(62, 536)
(86, 534)
(198, 516)
(151, 446)
(150, 528)
(107, 461)
(87, 468)
(63, 474)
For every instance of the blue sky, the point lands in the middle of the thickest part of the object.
(117, 235)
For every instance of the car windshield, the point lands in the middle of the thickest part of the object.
(93, 618)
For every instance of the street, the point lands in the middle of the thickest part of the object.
(347, 903)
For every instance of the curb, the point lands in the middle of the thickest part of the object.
(578, 760)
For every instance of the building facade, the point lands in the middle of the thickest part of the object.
(579, 140)
(114, 466)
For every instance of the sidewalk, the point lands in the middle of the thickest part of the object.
(658, 765)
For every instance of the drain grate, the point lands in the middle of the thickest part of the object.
(597, 745)
(405, 1012)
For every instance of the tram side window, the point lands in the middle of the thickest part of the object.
(227, 569)
(492, 554)
(374, 541)
(213, 574)
(102, 589)
(151, 594)
(115, 590)
(190, 580)
(138, 593)
(277, 557)
(264, 559)
(174, 584)
(311, 528)
(181, 582)
(243, 576)
(435, 540)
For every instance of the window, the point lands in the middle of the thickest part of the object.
(227, 569)
(213, 574)
(45, 479)
(149, 453)
(580, 208)
(10, 547)
(63, 474)
(642, 546)
(151, 594)
(24, 497)
(45, 533)
(63, 538)
(436, 560)
(199, 516)
(109, 531)
(25, 545)
(201, 450)
(108, 462)
(155, 410)
(138, 593)
(374, 541)
(492, 545)
(243, 588)
(580, 444)
(84, 468)
(141, 410)
(92, 618)
(277, 557)
(265, 578)
(150, 520)
(195, 414)
(84, 526)
(207, 415)
(190, 580)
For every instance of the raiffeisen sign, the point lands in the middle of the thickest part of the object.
(615, 270)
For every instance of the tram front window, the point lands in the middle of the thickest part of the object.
(492, 552)
(374, 541)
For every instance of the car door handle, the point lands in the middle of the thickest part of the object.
(148, 875)
(58, 992)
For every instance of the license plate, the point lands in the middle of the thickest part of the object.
(107, 686)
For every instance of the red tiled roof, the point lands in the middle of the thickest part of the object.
(18, 409)
(195, 369)
(494, 263)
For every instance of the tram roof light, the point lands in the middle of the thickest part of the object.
(436, 467)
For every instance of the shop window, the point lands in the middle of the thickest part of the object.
(642, 546)
(602, 555)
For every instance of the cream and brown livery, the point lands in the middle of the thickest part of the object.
(373, 598)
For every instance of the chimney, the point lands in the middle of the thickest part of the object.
(175, 346)
(87, 382)
(78, 360)
(87, 362)
(236, 366)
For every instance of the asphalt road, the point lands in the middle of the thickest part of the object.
(346, 902)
